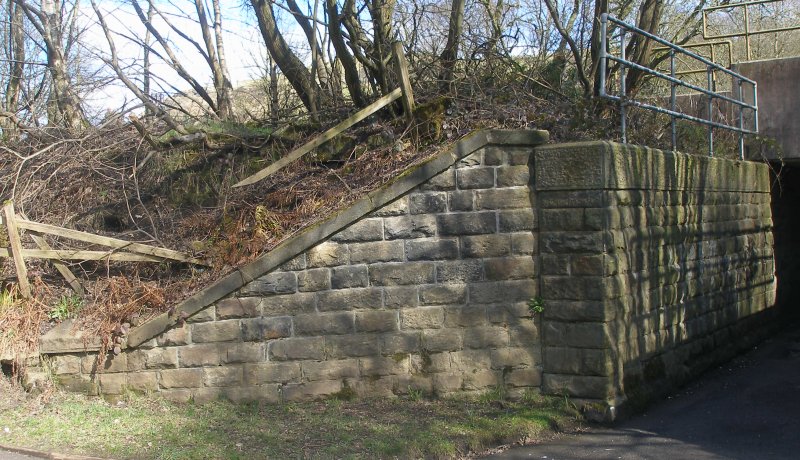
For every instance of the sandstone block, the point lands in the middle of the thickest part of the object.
(516, 357)
(112, 384)
(363, 230)
(468, 361)
(297, 348)
(509, 268)
(578, 361)
(223, 376)
(461, 200)
(400, 342)
(518, 156)
(400, 296)
(486, 337)
(110, 364)
(473, 159)
(503, 198)
(381, 251)
(217, 331)
(447, 382)
(509, 176)
(65, 364)
(327, 255)
(516, 220)
(392, 274)
(442, 294)
(505, 291)
(330, 370)
(324, 323)
(289, 304)
(181, 378)
(350, 299)
(312, 280)
(465, 316)
(199, 355)
(581, 335)
(346, 346)
(350, 276)
(428, 363)
(577, 386)
(466, 223)
(270, 284)
(376, 321)
(273, 372)
(497, 245)
(407, 227)
(460, 271)
(482, 380)
(260, 329)
(143, 382)
(422, 318)
(432, 249)
(444, 181)
(242, 353)
(298, 263)
(395, 208)
(570, 219)
(473, 178)
(381, 366)
(204, 315)
(428, 202)
(523, 243)
(180, 396)
(311, 390)
(176, 336)
(435, 340)
(235, 307)
(572, 242)
(531, 377)
(493, 155)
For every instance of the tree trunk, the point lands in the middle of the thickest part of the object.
(450, 54)
(291, 66)
(16, 48)
(48, 22)
(351, 77)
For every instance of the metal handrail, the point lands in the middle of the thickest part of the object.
(747, 32)
(674, 114)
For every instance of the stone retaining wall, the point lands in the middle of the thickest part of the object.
(646, 264)
(650, 262)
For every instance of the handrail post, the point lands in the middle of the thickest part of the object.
(741, 120)
(710, 116)
(673, 100)
(622, 91)
(16, 249)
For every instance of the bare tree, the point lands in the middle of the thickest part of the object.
(16, 67)
(48, 20)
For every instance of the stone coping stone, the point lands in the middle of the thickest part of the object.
(341, 219)
(65, 338)
(603, 165)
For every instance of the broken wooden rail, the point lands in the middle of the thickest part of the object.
(121, 250)
(403, 91)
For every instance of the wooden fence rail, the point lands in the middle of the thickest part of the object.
(121, 250)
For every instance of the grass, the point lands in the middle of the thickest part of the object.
(149, 427)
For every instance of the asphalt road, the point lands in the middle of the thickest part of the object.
(746, 409)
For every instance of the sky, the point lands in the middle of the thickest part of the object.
(244, 45)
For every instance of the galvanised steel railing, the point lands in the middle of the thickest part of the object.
(737, 101)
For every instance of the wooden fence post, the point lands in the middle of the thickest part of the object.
(16, 249)
(405, 82)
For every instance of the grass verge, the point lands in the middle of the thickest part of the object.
(149, 427)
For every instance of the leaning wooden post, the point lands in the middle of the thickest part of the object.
(16, 249)
(405, 81)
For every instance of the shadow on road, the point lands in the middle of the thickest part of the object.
(748, 408)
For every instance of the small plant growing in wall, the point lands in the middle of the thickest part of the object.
(536, 304)
(66, 308)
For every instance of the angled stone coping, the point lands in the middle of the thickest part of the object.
(65, 338)
(603, 165)
(319, 232)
